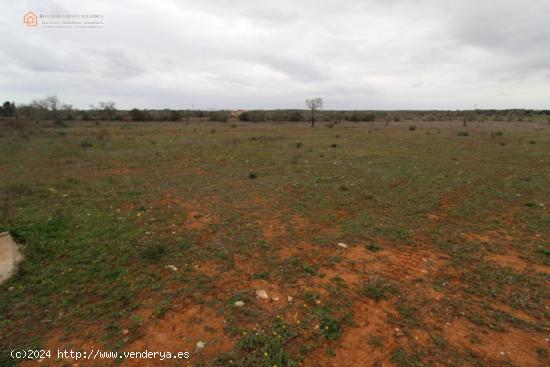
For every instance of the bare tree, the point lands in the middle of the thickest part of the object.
(108, 108)
(314, 104)
(49, 104)
(188, 114)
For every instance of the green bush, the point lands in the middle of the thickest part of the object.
(219, 116)
(139, 115)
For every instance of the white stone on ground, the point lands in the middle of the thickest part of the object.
(261, 294)
(10, 256)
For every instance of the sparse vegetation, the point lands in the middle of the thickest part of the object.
(131, 226)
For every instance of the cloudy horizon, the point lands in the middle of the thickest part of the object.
(218, 54)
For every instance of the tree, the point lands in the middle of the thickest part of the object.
(8, 109)
(314, 104)
(108, 109)
(49, 105)
(244, 116)
(138, 115)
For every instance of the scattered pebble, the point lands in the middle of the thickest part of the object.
(289, 298)
(398, 332)
(276, 299)
(125, 332)
(239, 304)
(342, 245)
(200, 345)
(261, 294)
(171, 267)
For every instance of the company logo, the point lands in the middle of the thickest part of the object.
(63, 20)
(30, 19)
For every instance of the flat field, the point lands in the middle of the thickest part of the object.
(374, 245)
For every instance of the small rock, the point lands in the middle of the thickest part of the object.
(342, 245)
(239, 304)
(171, 267)
(125, 332)
(200, 345)
(276, 299)
(289, 299)
(398, 332)
(261, 294)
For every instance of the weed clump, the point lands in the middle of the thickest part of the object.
(378, 288)
(252, 175)
(374, 247)
(376, 341)
(153, 252)
(84, 144)
(412, 127)
(463, 133)
(262, 348)
(333, 145)
(329, 327)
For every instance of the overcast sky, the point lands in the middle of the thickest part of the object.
(355, 54)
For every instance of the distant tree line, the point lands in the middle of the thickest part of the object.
(50, 108)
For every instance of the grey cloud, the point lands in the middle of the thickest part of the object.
(252, 54)
(117, 64)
